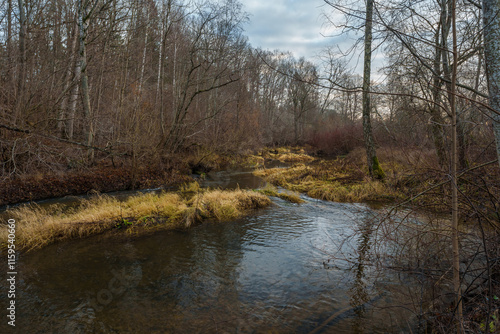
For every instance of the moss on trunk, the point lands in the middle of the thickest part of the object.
(378, 172)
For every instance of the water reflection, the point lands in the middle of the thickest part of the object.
(359, 293)
(261, 273)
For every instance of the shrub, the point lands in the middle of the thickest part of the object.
(337, 141)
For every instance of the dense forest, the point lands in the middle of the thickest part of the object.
(89, 82)
(141, 80)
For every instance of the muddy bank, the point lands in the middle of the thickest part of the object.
(101, 179)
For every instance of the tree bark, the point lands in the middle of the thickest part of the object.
(491, 32)
(22, 60)
(371, 155)
(83, 17)
(454, 183)
(436, 118)
(9, 45)
(70, 120)
(63, 119)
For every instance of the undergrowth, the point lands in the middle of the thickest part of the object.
(411, 177)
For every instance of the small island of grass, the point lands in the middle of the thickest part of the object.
(38, 227)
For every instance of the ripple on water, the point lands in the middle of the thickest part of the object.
(266, 272)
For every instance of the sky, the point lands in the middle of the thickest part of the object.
(288, 25)
(299, 26)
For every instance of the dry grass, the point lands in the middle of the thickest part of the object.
(294, 157)
(411, 174)
(254, 160)
(330, 180)
(285, 154)
(270, 190)
(38, 227)
(223, 205)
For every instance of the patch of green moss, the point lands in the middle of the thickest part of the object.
(378, 172)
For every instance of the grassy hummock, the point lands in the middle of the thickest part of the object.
(325, 180)
(38, 227)
(283, 154)
(270, 190)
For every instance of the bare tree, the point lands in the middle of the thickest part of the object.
(491, 17)
(374, 167)
(84, 14)
(21, 79)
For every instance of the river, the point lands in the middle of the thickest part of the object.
(285, 269)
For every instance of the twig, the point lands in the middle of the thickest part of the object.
(438, 185)
(11, 128)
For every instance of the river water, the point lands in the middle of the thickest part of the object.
(285, 269)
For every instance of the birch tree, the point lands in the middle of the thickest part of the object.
(371, 155)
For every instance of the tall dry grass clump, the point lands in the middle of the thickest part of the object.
(294, 157)
(330, 180)
(224, 205)
(38, 227)
(291, 196)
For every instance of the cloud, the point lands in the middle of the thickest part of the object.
(299, 26)
(287, 25)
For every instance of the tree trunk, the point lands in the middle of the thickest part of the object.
(103, 64)
(491, 19)
(9, 47)
(372, 161)
(22, 60)
(70, 120)
(83, 18)
(63, 116)
(436, 118)
(446, 23)
(454, 183)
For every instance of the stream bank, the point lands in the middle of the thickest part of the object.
(40, 226)
(96, 180)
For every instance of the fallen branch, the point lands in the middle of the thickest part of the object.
(10, 128)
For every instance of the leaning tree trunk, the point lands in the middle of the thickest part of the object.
(371, 154)
(491, 20)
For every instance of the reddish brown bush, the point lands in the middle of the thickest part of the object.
(337, 141)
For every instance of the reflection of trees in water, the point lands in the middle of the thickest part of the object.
(358, 291)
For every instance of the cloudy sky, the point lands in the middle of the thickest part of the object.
(288, 25)
(299, 26)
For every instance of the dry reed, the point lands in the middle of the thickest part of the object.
(38, 227)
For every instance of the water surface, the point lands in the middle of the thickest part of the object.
(285, 269)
